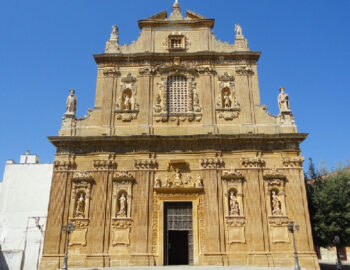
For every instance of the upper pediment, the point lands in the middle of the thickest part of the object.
(162, 18)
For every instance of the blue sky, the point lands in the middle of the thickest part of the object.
(46, 48)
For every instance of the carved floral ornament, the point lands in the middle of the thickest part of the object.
(212, 163)
(292, 162)
(244, 71)
(253, 162)
(64, 165)
(110, 72)
(146, 164)
(104, 165)
(227, 105)
(235, 221)
(231, 175)
(123, 176)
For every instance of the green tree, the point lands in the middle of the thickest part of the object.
(330, 209)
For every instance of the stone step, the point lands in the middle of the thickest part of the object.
(186, 267)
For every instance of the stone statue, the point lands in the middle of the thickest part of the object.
(115, 33)
(80, 210)
(234, 205)
(122, 206)
(178, 180)
(283, 101)
(227, 100)
(276, 204)
(168, 182)
(158, 183)
(238, 30)
(71, 103)
(199, 182)
(127, 102)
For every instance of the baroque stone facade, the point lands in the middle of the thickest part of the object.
(178, 146)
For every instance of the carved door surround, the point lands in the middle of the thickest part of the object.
(161, 110)
(158, 221)
(227, 105)
(121, 207)
(233, 193)
(274, 184)
(127, 107)
(80, 206)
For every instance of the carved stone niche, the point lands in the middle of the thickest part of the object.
(274, 182)
(127, 107)
(80, 206)
(177, 78)
(121, 207)
(227, 106)
(233, 206)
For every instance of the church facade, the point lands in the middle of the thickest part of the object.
(178, 162)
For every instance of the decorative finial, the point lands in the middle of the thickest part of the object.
(238, 30)
(176, 14)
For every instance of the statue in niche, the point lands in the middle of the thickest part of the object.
(168, 182)
(276, 204)
(227, 100)
(199, 182)
(127, 102)
(122, 206)
(80, 209)
(283, 101)
(238, 30)
(71, 103)
(158, 183)
(178, 180)
(234, 205)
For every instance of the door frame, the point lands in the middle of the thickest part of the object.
(178, 198)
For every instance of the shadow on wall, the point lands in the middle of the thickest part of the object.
(3, 263)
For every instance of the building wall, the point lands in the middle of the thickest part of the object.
(24, 195)
(207, 152)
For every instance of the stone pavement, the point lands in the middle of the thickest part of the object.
(186, 267)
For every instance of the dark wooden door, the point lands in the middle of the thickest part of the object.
(178, 233)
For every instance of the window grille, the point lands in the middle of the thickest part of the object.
(175, 43)
(177, 94)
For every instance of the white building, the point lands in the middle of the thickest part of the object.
(24, 197)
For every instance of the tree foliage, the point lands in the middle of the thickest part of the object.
(329, 205)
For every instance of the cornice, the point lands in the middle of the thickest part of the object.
(153, 143)
(184, 56)
(193, 22)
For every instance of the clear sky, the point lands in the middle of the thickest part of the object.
(46, 48)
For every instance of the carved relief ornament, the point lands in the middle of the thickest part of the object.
(227, 105)
(211, 163)
(161, 108)
(64, 165)
(253, 162)
(105, 164)
(292, 162)
(146, 164)
(110, 72)
(178, 183)
(244, 71)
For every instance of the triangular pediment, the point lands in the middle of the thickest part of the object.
(194, 16)
(159, 16)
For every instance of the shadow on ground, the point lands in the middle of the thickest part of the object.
(328, 266)
(3, 263)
